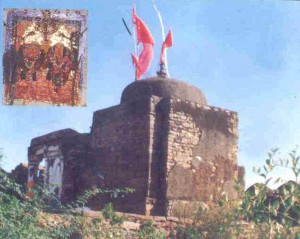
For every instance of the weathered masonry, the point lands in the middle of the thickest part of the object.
(162, 140)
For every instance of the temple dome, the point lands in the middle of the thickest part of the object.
(165, 88)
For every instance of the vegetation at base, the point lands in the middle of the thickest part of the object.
(110, 214)
(259, 213)
(148, 231)
(189, 232)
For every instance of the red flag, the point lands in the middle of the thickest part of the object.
(167, 43)
(142, 62)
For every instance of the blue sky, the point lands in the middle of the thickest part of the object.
(244, 55)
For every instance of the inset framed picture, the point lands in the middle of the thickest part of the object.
(45, 57)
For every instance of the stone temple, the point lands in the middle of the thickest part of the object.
(163, 140)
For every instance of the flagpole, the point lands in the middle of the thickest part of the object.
(135, 49)
(163, 36)
(135, 45)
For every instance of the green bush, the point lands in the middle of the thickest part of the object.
(18, 217)
(148, 231)
(109, 213)
(189, 232)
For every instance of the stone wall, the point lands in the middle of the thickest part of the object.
(120, 138)
(202, 154)
(62, 150)
(173, 149)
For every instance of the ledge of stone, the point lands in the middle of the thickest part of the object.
(58, 135)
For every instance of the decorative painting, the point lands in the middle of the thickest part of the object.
(45, 57)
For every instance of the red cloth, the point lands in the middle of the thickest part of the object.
(167, 43)
(143, 61)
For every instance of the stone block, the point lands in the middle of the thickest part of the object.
(130, 226)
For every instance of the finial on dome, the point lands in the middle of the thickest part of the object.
(162, 73)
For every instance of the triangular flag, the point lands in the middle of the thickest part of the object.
(167, 44)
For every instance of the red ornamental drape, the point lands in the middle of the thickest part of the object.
(143, 61)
